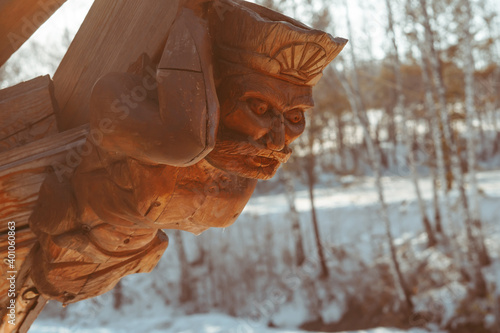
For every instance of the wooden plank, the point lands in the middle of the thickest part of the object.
(19, 19)
(112, 37)
(27, 113)
(23, 169)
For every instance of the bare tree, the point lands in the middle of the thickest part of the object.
(310, 165)
(294, 216)
(434, 60)
(472, 141)
(400, 110)
(357, 105)
(186, 293)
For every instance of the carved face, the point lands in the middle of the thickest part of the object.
(260, 117)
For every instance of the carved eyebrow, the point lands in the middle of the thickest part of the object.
(273, 100)
(304, 107)
(304, 102)
(280, 100)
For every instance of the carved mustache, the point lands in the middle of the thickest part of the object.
(231, 147)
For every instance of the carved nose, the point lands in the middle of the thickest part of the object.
(276, 136)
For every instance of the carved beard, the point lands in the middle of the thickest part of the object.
(235, 152)
(245, 159)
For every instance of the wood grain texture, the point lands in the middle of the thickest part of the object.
(112, 37)
(25, 240)
(19, 20)
(28, 301)
(27, 113)
(22, 171)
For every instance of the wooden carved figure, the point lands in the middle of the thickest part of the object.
(176, 142)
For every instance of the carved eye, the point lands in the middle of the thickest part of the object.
(258, 106)
(295, 116)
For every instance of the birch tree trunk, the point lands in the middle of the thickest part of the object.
(186, 289)
(399, 110)
(295, 218)
(310, 166)
(357, 106)
(445, 122)
(340, 142)
(474, 249)
(471, 111)
(435, 199)
(438, 143)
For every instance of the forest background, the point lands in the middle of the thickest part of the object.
(408, 116)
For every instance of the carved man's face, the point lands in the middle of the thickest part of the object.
(260, 117)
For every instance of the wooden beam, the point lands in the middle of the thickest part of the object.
(23, 169)
(19, 19)
(26, 117)
(27, 113)
(112, 37)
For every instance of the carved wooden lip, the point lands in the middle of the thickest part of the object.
(261, 162)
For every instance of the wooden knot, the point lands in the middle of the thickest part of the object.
(86, 228)
(30, 294)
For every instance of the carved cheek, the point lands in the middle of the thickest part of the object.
(246, 122)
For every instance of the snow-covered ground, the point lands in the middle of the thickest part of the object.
(350, 227)
(212, 323)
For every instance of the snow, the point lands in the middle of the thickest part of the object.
(445, 300)
(207, 323)
(353, 235)
(292, 314)
(332, 312)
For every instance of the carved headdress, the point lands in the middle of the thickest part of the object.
(248, 36)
